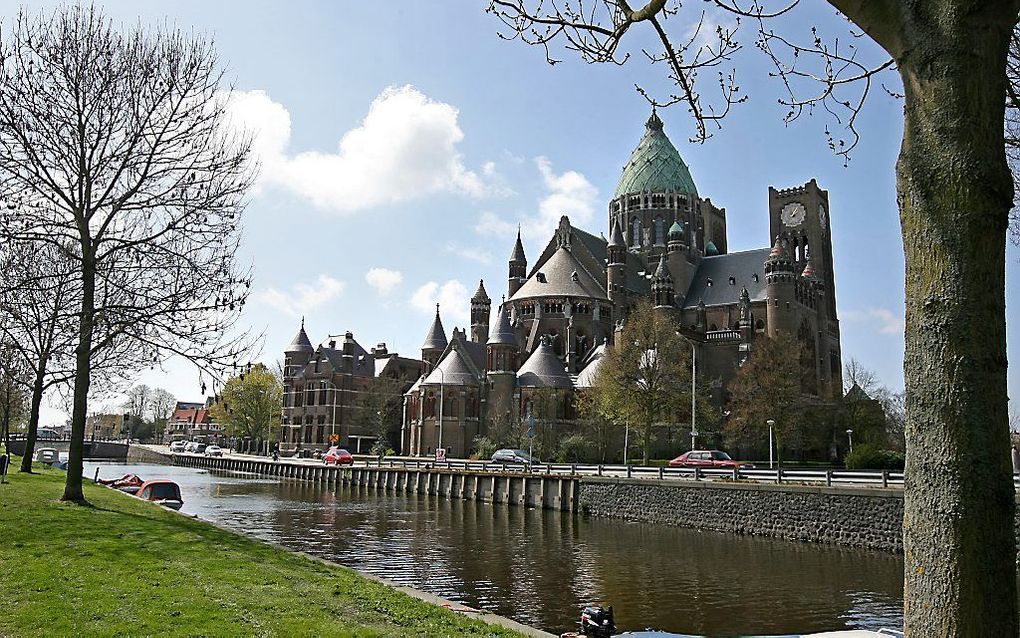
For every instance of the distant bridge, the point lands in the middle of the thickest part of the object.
(115, 449)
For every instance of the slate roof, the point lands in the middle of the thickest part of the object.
(518, 252)
(543, 369)
(436, 337)
(599, 249)
(742, 266)
(586, 378)
(563, 276)
(301, 342)
(452, 370)
(480, 294)
(501, 332)
(655, 165)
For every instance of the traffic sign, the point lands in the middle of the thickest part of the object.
(531, 426)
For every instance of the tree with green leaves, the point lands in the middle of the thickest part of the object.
(955, 193)
(645, 380)
(767, 387)
(377, 407)
(250, 404)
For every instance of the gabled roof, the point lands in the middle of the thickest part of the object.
(561, 275)
(747, 269)
(655, 165)
(543, 369)
(455, 368)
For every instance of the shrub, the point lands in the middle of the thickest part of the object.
(484, 448)
(573, 449)
(869, 457)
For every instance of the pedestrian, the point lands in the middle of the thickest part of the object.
(1016, 460)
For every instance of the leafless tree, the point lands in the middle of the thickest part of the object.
(12, 391)
(955, 192)
(1013, 125)
(117, 147)
(161, 408)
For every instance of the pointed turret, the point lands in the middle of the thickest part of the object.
(780, 287)
(616, 251)
(301, 342)
(502, 343)
(662, 285)
(435, 342)
(518, 266)
(480, 306)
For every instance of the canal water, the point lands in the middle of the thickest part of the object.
(540, 567)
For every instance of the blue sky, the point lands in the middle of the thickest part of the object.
(451, 137)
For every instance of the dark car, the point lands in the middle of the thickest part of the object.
(513, 456)
(338, 456)
(708, 459)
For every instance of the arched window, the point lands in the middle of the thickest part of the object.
(759, 325)
(712, 328)
(807, 250)
(452, 406)
(430, 405)
(636, 234)
(660, 231)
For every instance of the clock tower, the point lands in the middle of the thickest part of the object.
(799, 218)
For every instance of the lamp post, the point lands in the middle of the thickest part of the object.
(850, 438)
(771, 423)
(694, 376)
(442, 391)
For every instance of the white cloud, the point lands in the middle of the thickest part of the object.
(451, 296)
(405, 148)
(468, 252)
(383, 280)
(303, 298)
(491, 225)
(568, 193)
(882, 320)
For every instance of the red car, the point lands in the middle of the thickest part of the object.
(707, 459)
(338, 456)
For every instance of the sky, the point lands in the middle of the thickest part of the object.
(401, 148)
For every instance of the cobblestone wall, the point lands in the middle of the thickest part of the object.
(853, 517)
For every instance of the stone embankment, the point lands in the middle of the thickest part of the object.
(148, 454)
(854, 517)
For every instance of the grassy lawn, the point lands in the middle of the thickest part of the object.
(125, 567)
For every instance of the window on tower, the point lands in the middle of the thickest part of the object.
(660, 234)
(636, 233)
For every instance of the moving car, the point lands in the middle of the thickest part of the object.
(165, 493)
(508, 455)
(708, 459)
(177, 447)
(214, 450)
(338, 456)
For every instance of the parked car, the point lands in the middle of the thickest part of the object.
(338, 456)
(214, 450)
(708, 459)
(513, 456)
(190, 446)
(177, 447)
(199, 448)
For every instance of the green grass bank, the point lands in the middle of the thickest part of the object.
(126, 567)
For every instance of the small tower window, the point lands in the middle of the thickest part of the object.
(733, 281)
(660, 234)
(636, 234)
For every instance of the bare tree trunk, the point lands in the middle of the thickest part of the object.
(955, 192)
(32, 431)
(82, 379)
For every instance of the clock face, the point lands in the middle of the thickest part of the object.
(793, 214)
(823, 217)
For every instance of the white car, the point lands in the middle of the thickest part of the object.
(191, 446)
(177, 447)
(214, 450)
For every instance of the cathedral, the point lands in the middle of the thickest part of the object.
(532, 353)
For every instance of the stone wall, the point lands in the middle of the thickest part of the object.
(145, 454)
(854, 517)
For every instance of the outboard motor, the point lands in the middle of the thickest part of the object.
(597, 622)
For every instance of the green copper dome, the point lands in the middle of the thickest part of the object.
(655, 165)
(676, 230)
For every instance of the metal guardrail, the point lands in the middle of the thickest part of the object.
(828, 478)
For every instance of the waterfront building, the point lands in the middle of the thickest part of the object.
(105, 426)
(667, 244)
(193, 422)
(331, 393)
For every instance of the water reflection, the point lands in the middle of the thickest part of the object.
(541, 567)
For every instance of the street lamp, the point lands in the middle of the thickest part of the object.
(442, 391)
(850, 437)
(771, 423)
(694, 376)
